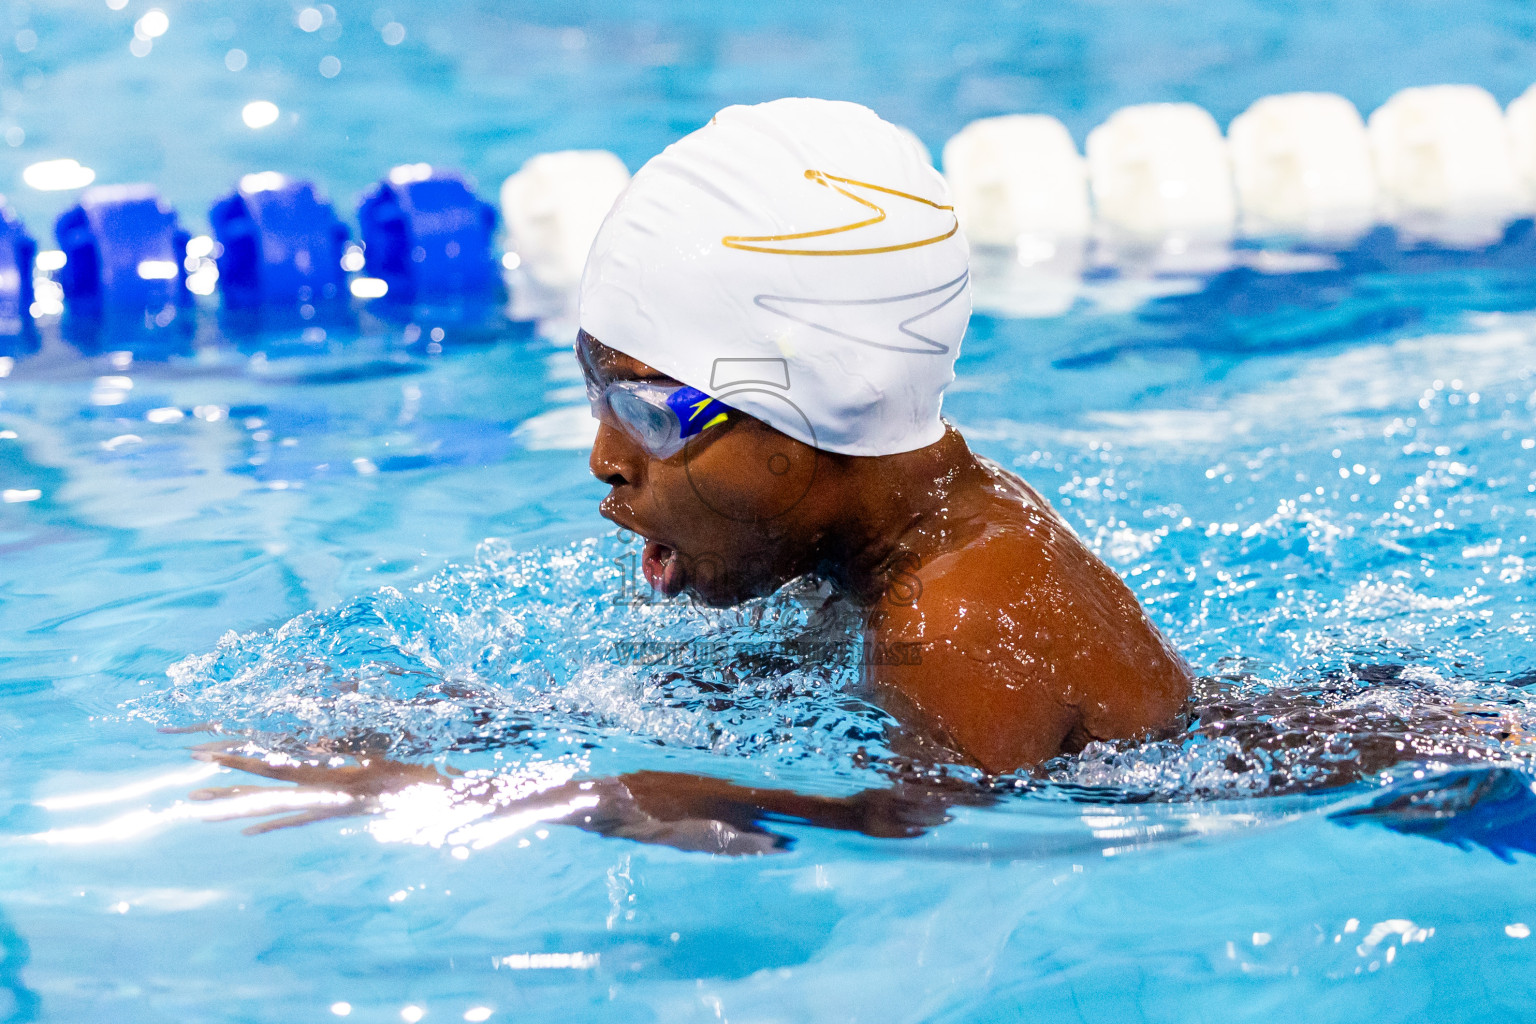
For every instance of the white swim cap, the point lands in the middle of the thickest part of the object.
(798, 260)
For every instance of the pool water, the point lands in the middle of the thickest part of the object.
(1321, 484)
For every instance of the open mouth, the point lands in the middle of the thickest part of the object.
(663, 568)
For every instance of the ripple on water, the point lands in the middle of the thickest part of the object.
(548, 650)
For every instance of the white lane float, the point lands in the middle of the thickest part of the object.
(1017, 177)
(1302, 165)
(1020, 190)
(1162, 170)
(552, 208)
(1444, 166)
(1520, 119)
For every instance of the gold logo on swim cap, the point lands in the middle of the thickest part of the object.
(764, 243)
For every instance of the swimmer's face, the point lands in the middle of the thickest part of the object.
(729, 517)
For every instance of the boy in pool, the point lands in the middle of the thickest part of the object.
(769, 318)
(770, 315)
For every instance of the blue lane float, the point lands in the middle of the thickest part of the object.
(124, 250)
(17, 250)
(281, 244)
(426, 235)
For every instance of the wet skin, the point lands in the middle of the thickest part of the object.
(1001, 639)
(1005, 639)
(1028, 646)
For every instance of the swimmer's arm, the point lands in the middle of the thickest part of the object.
(955, 662)
(700, 812)
(690, 812)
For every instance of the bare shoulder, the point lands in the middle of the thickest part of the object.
(1019, 643)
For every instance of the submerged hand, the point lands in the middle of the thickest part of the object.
(324, 789)
(687, 812)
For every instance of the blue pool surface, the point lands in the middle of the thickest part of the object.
(1322, 486)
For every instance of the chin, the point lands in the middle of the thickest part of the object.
(730, 591)
(717, 596)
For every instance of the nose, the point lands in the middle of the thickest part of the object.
(615, 458)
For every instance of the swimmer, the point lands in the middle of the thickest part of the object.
(769, 318)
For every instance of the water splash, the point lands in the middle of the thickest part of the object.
(553, 653)
(551, 649)
(1249, 738)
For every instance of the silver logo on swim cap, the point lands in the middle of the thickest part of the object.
(851, 318)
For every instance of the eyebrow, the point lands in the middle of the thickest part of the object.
(650, 376)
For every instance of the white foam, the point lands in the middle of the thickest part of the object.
(553, 207)
(1161, 169)
(1017, 181)
(1302, 165)
(1443, 161)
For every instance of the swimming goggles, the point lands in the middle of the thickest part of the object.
(660, 417)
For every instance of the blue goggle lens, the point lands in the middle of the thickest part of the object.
(662, 418)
